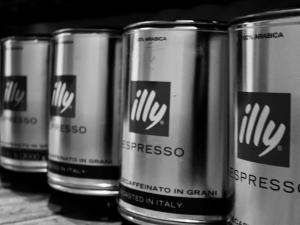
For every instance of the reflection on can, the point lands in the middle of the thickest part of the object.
(175, 123)
(24, 118)
(85, 112)
(265, 108)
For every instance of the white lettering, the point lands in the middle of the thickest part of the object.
(255, 124)
(13, 94)
(144, 105)
(61, 97)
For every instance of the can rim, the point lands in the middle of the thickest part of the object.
(267, 15)
(201, 24)
(35, 37)
(86, 30)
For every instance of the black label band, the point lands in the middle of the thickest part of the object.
(84, 171)
(178, 205)
(24, 154)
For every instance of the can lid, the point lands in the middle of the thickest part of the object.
(86, 31)
(268, 15)
(201, 24)
(34, 37)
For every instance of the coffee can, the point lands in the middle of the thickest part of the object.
(175, 139)
(24, 117)
(265, 109)
(85, 112)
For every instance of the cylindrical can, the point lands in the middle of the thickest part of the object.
(265, 109)
(85, 112)
(24, 117)
(175, 124)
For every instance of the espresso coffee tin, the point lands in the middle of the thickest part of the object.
(24, 117)
(265, 104)
(85, 112)
(175, 124)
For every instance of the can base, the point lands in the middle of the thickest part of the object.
(24, 166)
(83, 186)
(143, 219)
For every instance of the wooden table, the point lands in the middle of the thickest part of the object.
(26, 199)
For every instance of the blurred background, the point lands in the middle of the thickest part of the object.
(19, 17)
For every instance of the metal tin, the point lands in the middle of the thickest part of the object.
(175, 123)
(85, 112)
(24, 118)
(265, 109)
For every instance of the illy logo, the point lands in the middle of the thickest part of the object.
(264, 123)
(63, 96)
(15, 93)
(149, 107)
(272, 134)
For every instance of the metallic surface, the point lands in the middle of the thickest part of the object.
(182, 157)
(269, 17)
(264, 55)
(92, 59)
(73, 185)
(24, 132)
